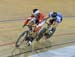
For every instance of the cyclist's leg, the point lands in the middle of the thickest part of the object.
(32, 33)
(32, 22)
(49, 24)
(53, 26)
(38, 30)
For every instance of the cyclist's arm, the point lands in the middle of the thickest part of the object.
(47, 19)
(32, 21)
(26, 22)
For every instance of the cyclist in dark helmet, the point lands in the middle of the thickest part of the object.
(54, 19)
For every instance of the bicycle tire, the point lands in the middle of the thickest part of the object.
(25, 34)
(40, 35)
(53, 31)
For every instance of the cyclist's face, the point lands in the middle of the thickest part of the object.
(36, 15)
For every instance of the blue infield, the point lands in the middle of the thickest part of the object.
(61, 52)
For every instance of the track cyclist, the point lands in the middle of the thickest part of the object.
(38, 20)
(54, 18)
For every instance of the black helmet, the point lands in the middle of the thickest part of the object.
(34, 10)
(54, 14)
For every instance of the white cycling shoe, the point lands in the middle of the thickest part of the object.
(29, 43)
(50, 32)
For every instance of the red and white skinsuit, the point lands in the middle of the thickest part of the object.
(40, 19)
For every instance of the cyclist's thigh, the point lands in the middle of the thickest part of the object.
(51, 21)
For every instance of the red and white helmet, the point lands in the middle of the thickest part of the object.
(35, 12)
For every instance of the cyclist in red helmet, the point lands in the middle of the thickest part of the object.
(37, 18)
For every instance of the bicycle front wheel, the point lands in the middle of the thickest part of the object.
(40, 35)
(21, 38)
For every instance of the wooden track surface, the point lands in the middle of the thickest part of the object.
(19, 9)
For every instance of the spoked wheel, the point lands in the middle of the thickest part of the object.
(21, 38)
(41, 33)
